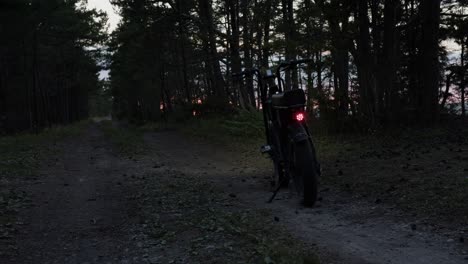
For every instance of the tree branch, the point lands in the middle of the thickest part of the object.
(454, 15)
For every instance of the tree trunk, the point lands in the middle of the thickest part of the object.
(365, 67)
(291, 77)
(236, 67)
(413, 87)
(462, 79)
(181, 13)
(257, 21)
(388, 64)
(448, 83)
(247, 49)
(266, 34)
(35, 108)
(429, 60)
(205, 10)
(337, 16)
(320, 93)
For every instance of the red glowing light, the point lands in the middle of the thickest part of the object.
(300, 117)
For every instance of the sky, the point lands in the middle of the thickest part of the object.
(114, 19)
(106, 6)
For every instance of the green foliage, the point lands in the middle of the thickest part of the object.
(140, 56)
(422, 171)
(244, 126)
(127, 141)
(100, 102)
(49, 61)
(214, 106)
(249, 236)
(21, 155)
(171, 56)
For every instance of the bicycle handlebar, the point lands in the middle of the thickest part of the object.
(245, 72)
(286, 66)
(293, 63)
(283, 66)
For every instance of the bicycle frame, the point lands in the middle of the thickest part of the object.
(286, 129)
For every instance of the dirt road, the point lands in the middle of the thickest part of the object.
(79, 212)
(354, 230)
(91, 205)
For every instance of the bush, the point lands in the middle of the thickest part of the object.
(245, 126)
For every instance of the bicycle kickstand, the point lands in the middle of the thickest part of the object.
(277, 190)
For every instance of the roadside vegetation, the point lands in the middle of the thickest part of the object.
(188, 214)
(21, 156)
(127, 141)
(193, 218)
(373, 68)
(421, 171)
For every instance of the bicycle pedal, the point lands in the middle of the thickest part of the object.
(265, 149)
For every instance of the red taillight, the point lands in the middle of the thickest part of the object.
(299, 117)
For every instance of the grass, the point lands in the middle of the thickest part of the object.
(127, 142)
(190, 214)
(245, 127)
(422, 171)
(242, 133)
(21, 156)
(185, 213)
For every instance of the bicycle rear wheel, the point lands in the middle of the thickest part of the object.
(304, 170)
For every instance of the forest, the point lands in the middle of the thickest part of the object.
(49, 60)
(376, 63)
(131, 131)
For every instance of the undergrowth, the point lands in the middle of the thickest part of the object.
(244, 126)
(220, 230)
(421, 170)
(21, 156)
(127, 141)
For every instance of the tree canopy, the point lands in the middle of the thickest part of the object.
(376, 62)
(49, 62)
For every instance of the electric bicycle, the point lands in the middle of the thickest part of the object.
(289, 142)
